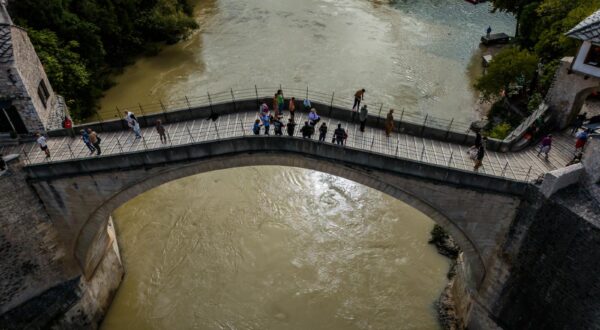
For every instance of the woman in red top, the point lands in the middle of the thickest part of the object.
(68, 125)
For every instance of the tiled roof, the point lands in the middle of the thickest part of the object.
(588, 29)
(6, 49)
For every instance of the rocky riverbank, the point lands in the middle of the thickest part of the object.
(445, 305)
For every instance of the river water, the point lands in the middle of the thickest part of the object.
(274, 248)
(286, 248)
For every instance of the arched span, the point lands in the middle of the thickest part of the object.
(579, 101)
(99, 218)
(476, 210)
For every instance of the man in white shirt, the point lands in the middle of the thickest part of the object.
(42, 142)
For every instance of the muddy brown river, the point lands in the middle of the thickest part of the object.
(286, 248)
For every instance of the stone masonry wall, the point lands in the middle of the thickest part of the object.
(33, 260)
(32, 72)
(553, 282)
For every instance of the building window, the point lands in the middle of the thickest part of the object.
(43, 92)
(593, 56)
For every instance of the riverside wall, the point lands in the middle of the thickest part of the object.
(41, 285)
(546, 273)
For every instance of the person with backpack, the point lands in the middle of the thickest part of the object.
(278, 125)
(256, 127)
(291, 126)
(95, 140)
(307, 130)
(340, 135)
(86, 139)
(307, 105)
(322, 132)
(362, 116)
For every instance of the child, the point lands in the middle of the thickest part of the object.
(256, 127)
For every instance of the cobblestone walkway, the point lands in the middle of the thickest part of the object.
(521, 166)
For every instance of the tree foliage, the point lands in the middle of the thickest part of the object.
(510, 68)
(81, 42)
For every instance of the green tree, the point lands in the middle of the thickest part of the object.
(82, 42)
(510, 66)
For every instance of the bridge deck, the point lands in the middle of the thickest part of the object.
(521, 166)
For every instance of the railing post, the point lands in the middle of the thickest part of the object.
(307, 92)
(190, 107)
(422, 152)
(527, 176)
(143, 115)
(210, 105)
(70, 150)
(162, 107)
(99, 120)
(397, 145)
(256, 92)
(449, 127)
(331, 103)
(450, 160)
(379, 115)
(233, 99)
(424, 123)
(504, 169)
(189, 133)
(400, 123)
(120, 118)
(242, 126)
(119, 145)
(26, 156)
(372, 142)
(217, 130)
(144, 140)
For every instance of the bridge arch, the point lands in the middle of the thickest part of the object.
(476, 210)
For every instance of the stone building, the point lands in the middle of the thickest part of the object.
(28, 103)
(577, 77)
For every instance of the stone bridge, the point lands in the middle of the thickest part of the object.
(79, 192)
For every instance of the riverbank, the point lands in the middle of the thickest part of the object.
(446, 307)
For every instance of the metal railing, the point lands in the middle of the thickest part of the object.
(260, 94)
(239, 124)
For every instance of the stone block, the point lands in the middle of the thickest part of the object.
(591, 160)
(561, 178)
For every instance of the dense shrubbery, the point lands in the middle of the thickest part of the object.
(514, 72)
(81, 42)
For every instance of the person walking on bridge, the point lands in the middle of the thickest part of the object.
(43, 143)
(280, 102)
(358, 97)
(133, 123)
(479, 157)
(266, 121)
(160, 129)
(545, 146)
(307, 130)
(292, 107)
(322, 132)
(95, 140)
(389, 123)
(313, 117)
(362, 116)
(256, 127)
(582, 138)
(291, 126)
(86, 139)
(340, 135)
